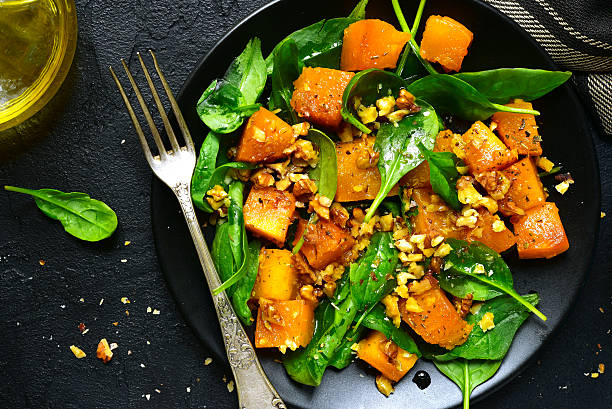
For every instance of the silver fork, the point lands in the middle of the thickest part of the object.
(175, 168)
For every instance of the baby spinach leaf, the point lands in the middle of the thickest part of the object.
(311, 220)
(221, 254)
(508, 314)
(468, 374)
(325, 174)
(244, 287)
(83, 217)
(481, 267)
(369, 85)
(443, 175)
(377, 320)
(397, 145)
(359, 12)
(449, 94)
(226, 102)
(503, 84)
(392, 206)
(204, 169)
(372, 276)
(411, 43)
(286, 70)
(344, 354)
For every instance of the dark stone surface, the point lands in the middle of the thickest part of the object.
(75, 144)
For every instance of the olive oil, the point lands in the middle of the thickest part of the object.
(37, 42)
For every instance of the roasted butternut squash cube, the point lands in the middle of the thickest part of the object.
(324, 242)
(264, 139)
(446, 42)
(491, 231)
(371, 43)
(434, 217)
(284, 324)
(268, 213)
(484, 151)
(439, 322)
(540, 232)
(384, 355)
(518, 131)
(277, 278)
(317, 95)
(526, 189)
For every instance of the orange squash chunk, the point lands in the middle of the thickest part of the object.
(317, 95)
(384, 355)
(484, 151)
(268, 213)
(430, 221)
(484, 233)
(446, 42)
(439, 323)
(264, 138)
(518, 131)
(526, 189)
(277, 278)
(324, 242)
(371, 43)
(285, 324)
(419, 176)
(540, 232)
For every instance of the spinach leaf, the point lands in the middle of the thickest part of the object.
(344, 355)
(83, 217)
(325, 174)
(443, 175)
(449, 94)
(410, 67)
(372, 277)
(226, 102)
(468, 374)
(204, 169)
(493, 344)
(286, 70)
(359, 12)
(411, 43)
(392, 206)
(221, 254)
(377, 320)
(311, 220)
(503, 84)
(243, 288)
(484, 273)
(397, 145)
(369, 85)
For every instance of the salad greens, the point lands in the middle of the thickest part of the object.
(377, 320)
(325, 173)
(243, 288)
(286, 70)
(83, 217)
(226, 102)
(443, 175)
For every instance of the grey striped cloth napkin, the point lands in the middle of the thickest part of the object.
(578, 36)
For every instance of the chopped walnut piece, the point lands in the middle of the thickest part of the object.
(406, 101)
(301, 129)
(392, 309)
(263, 178)
(463, 305)
(280, 167)
(269, 314)
(486, 323)
(304, 189)
(339, 214)
(495, 183)
(104, 351)
(384, 385)
(304, 150)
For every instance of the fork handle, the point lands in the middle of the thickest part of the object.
(254, 389)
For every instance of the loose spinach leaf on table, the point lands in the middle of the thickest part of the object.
(226, 102)
(369, 85)
(397, 145)
(286, 70)
(372, 277)
(83, 217)
(443, 175)
(243, 288)
(468, 374)
(473, 268)
(377, 320)
(503, 84)
(449, 94)
(325, 173)
(508, 315)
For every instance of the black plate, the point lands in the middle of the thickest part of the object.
(567, 134)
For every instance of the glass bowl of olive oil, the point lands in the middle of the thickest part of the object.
(37, 43)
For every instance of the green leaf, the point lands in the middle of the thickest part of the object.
(397, 145)
(449, 94)
(485, 271)
(508, 315)
(83, 217)
(311, 220)
(226, 102)
(359, 12)
(503, 84)
(325, 174)
(344, 354)
(373, 275)
(286, 70)
(369, 85)
(443, 175)
(204, 169)
(318, 45)
(468, 374)
(377, 320)
(243, 288)
(222, 256)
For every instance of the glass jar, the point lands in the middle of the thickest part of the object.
(37, 43)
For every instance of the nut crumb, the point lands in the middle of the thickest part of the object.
(125, 300)
(208, 361)
(149, 309)
(595, 375)
(601, 368)
(603, 214)
(148, 396)
(104, 351)
(129, 352)
(188, 389)
(82, 299)
(78, 352)
(156, 312)
(81, 327)
(113, 346)
(230, 386)
(123, 260)
(101, 301)
(142, 365)
(127, 243)
(41, 262)
(115, 323)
